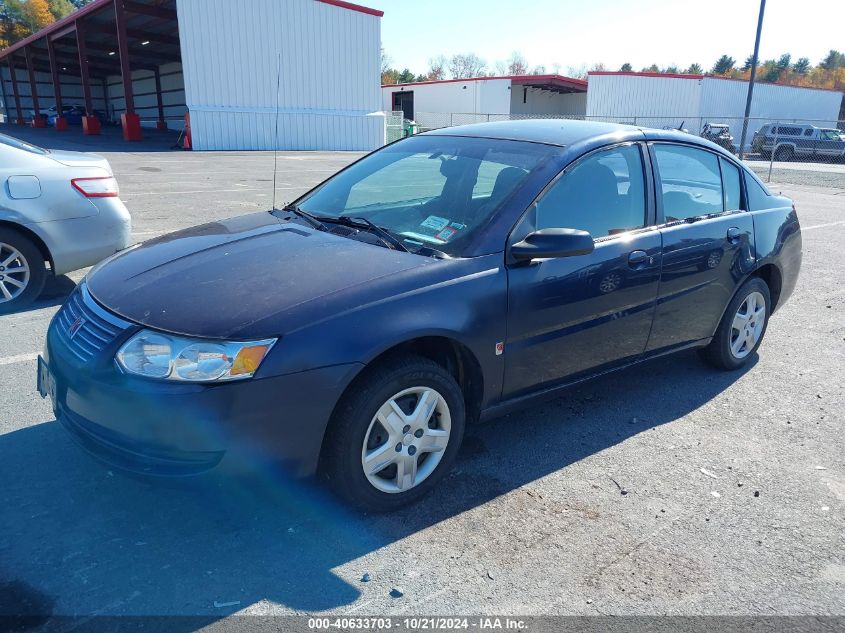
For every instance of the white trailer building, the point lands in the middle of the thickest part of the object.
(231, 65)
(456, 101)
(669, 100)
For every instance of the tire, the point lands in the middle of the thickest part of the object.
(355, 434)
(784, 154)
(726, 350)
(20, 263)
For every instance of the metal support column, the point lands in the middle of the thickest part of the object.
(16, 92)
(161, 124)
(37, 119)
(129, 119)
(61, 121)
(90, 123)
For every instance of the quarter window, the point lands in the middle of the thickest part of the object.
(758, 197)
(604, 194)
(690, 181)
(730, 180)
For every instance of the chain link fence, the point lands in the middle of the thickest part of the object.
(785, 151)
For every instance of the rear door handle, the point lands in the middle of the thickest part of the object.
(637, 258)
(734, 234)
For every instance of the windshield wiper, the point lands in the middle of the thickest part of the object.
(385, 235)
(313, 220)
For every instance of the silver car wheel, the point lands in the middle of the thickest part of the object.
(747, 327)
(406, 439)
(14, 272)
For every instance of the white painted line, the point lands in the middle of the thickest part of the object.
(822, 226)
(20, 358)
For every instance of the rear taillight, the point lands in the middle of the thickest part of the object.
(99, 187)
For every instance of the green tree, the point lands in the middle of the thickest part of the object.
(694, 69)
(784, 62)
(654, 68)
(672, 70)
(723, 65)
(833, 60)
(406, 77)
(61, 8)
(626, 68)
(802, 66)
(749, 62)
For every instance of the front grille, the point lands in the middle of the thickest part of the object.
(95, 328)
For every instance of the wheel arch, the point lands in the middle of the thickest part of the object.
(445, 350)
(773, 277)
(33, 237)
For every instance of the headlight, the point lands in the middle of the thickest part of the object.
(156, 355)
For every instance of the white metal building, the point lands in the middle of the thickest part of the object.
(328, 94)
(457, 101)
(231, 64)
(660, 100)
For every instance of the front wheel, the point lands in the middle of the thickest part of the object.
(742, 327)
(394, 435)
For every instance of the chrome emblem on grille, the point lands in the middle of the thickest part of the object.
(75, 326)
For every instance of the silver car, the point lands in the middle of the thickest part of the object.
(59, 211)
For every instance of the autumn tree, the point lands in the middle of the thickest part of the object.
(516, 64)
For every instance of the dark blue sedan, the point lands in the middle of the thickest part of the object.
(446, 278)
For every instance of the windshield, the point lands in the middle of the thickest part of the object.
(13, 142)
(429, 191)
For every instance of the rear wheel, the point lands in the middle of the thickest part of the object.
(784, 153)
(394, 435)
(742, 328)
(22, 271)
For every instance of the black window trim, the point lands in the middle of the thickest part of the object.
(658, 185)
(648, 186)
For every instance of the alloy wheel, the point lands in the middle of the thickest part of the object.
(406, 439)
(747, 327)
(14, 272)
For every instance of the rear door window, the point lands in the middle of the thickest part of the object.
(690, 181)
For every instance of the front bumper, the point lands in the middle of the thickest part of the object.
(176, 429)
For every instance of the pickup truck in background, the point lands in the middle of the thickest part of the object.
(794, 140)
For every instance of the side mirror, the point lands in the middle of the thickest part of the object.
(553, 243)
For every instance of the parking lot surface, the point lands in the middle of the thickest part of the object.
(668, 488)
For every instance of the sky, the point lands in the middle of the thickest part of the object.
(574, 33)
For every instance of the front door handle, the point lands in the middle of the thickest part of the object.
(637, 258)
(734, 234)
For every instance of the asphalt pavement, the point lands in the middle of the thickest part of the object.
(669, 488)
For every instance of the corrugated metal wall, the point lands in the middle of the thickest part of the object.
(146, 104)
(71, 91)
(329, 96)
(651, 101)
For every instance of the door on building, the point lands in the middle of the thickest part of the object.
(404, 101)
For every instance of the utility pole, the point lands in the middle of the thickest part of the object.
(751, 80)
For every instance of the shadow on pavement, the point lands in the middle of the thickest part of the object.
(56, 290)
(110, 140)
(84, 540)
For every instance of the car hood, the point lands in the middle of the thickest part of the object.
(80, 159)
(228, 279)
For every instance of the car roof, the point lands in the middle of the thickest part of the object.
(566, 132)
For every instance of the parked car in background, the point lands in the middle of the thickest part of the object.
(59, 211)
(454, 275)
(787, 141)
(719, 133)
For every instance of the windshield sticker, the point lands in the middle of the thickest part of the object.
(435, 223)
(458, 225)
(446, 234)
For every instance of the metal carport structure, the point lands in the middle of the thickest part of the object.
(104, 39)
